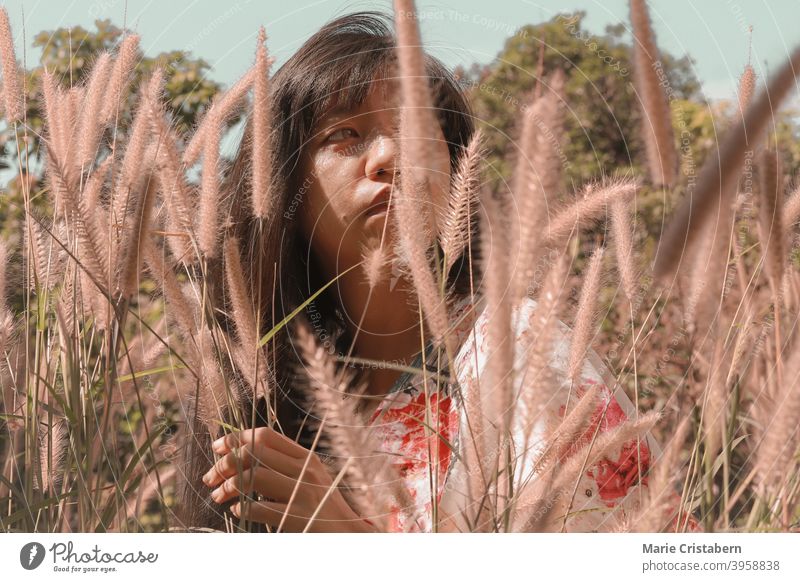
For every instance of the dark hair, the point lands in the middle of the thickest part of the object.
(336, 66)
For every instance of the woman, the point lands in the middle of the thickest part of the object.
(335, 164)
(330, 186)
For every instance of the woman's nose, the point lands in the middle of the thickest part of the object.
(381, 156)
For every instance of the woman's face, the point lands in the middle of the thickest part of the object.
(348, 169)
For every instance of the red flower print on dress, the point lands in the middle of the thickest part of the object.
(614, 476)
(403, 431)
(409, 421)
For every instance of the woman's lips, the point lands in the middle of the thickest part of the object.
(380, 202)
(380, 208)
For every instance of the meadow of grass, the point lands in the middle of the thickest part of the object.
(113, 342)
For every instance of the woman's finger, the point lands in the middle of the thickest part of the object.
(267, 482)
(261, 435)
(269, 512)
(248, 456)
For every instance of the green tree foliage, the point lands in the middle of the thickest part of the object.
(70, 54)
(788, 137)
(602, 111)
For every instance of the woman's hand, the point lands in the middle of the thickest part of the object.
(264, 461)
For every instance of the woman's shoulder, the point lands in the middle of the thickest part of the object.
(472, 319)
(472, 322)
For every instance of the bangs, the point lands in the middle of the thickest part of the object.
(346, 84)
(337, 68)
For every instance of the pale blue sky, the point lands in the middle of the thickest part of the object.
(714, 32)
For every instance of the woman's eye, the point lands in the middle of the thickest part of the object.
(341, 134)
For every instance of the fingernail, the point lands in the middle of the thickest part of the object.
(207, 478)
(217, 444)
(235, 509)
(216, 494)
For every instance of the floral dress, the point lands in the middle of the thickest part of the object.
(401, 420)
(418, 435)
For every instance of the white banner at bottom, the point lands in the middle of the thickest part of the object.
(389, 557)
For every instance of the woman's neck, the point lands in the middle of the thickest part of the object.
(385, 325)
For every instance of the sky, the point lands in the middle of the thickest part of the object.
(714, 32)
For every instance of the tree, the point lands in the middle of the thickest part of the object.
(69, 54)
(602, 112)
